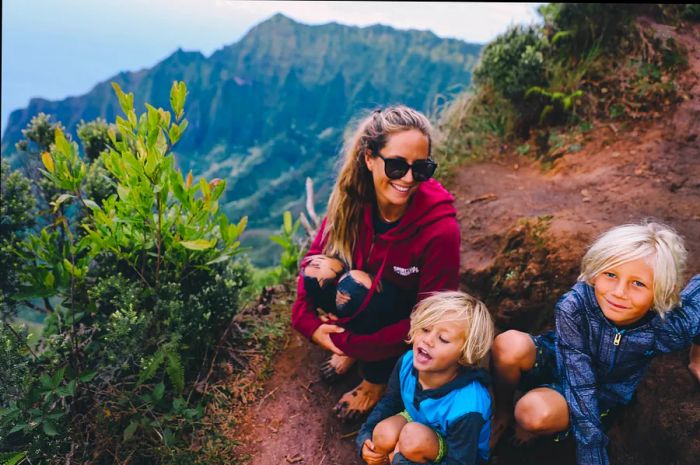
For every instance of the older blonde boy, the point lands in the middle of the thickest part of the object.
(626, 309)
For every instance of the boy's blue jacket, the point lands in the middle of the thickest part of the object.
(460, 411)
(601, 364)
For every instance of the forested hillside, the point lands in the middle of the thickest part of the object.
(270, 109)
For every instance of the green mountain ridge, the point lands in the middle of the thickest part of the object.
(270, 110)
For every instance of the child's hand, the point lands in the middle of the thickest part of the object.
(370, 456)
(694, 365)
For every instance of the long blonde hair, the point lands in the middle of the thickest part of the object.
(354, 186)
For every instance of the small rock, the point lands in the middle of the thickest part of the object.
(615, 154)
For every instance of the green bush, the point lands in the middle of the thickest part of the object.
(513, 63)
(138, 282)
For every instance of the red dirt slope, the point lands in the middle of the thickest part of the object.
(523, 234)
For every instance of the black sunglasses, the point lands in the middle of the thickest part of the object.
(396, 168)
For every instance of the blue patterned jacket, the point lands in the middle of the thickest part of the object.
(601, 364)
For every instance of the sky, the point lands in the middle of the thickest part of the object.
(59, 48)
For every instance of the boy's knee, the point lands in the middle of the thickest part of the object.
(385, 435)
(418, 443)
(534, 416)
(513, 348)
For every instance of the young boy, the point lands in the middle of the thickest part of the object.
(437, 407)
(608, 328)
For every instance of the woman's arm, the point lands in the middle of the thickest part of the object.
(579, 381)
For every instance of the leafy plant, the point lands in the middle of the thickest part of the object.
(137, 285)
(291, 249)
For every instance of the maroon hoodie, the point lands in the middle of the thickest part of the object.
(419, 255)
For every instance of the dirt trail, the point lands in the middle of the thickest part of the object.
(523, 234)
(292, 423)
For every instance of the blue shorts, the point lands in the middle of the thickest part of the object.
(545, 373)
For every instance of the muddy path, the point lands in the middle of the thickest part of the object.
(524, 230)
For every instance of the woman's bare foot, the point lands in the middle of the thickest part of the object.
(356, 403)
(335, 367)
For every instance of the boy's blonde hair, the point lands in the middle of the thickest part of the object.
(446, 306)
(658, 244)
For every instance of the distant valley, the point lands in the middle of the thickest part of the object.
(270, 109)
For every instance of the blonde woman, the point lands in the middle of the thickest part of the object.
(389, 239)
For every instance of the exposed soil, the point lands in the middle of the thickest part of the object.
(524, 231)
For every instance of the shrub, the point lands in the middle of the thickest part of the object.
(138, 284)
(513, 63)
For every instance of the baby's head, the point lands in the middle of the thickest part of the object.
(450, 327)
(638, 265)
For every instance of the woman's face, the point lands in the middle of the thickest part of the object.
(393, 194)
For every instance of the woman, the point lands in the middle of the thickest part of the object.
(389, 239)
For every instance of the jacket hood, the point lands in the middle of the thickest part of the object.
(430, 203)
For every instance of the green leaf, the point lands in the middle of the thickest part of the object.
(45, 381)
(57, 378)
(199, 244)
(71, 387)
(12, 458)
(130, 430)
(91, 204)
(279, 240)
(49, 279)
(123, 192)
(219, 259)
(62, 145)
(61, 198)
(87, 376)
(126, 101)
(158, 391)
(174, 134)
(287, 222)
(19, 427)
(151, 366)
(49, 428)
(175, 371)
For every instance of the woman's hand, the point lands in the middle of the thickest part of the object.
(322, 337)
(370, 456)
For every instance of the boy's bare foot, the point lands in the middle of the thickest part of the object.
(335, 367)
(522, 437)
(695, 370)
(694, 365)
(356, 403)
(499, 425)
